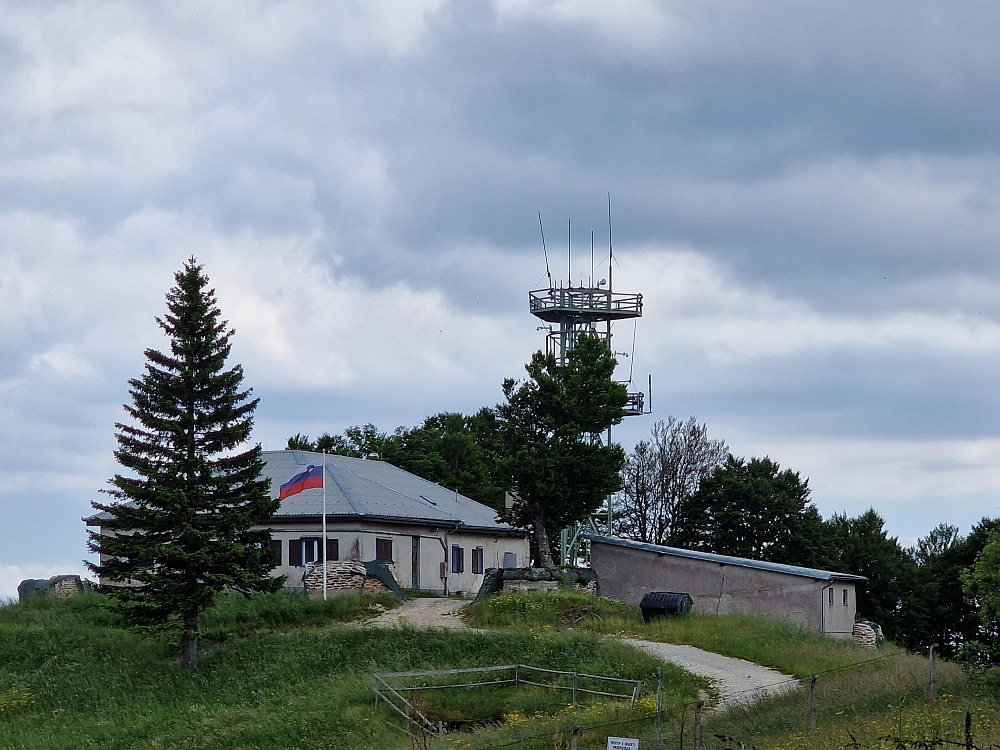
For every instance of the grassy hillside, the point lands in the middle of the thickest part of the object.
(865, 698)
(782, 646)
(278, 672)
(282, 672)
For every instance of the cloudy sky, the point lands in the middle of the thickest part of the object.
(806, 194)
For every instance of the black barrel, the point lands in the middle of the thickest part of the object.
(662, 603)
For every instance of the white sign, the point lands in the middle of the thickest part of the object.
(622, 743)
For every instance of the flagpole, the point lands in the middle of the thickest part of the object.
(324, 526)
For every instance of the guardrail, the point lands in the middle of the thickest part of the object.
(585, 300)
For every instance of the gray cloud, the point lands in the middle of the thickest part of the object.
(807, 195)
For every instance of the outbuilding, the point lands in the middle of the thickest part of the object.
(721, 585)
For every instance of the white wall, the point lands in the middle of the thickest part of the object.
(359, 541)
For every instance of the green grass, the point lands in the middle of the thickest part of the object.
(787, 647)
(877, 697)
(282, 672)
(274, 676)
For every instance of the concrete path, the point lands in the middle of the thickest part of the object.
(423, 613)
(736, 680)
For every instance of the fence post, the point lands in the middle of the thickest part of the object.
(812, 701)
(932, 687)
(574, 690)
(697, 724)
(968, 730)
(683, 717)
(440, 729)
(659, 706)
(572, 737)
(517, 677)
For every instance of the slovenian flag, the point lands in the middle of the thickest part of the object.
(311, 478)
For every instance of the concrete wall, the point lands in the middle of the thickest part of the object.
(434, 547)
(628, 574)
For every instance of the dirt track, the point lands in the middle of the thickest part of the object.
(736, 681)
(423, 613)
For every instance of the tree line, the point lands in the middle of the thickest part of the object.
(681, 488)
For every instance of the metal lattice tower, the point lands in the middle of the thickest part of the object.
(575, 311)
(570, 312)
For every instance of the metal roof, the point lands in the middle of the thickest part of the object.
(793, 570)
(363, 488)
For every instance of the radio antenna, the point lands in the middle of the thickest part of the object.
(544, 251)
(611, 247)
(569, 251)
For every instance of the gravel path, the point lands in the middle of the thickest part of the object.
(423, 613)
(736, 680)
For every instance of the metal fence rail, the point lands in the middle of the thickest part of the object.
(416, 722)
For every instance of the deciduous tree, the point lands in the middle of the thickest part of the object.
(454, 450)
(752, 508)
(660, 475)
(863, 547)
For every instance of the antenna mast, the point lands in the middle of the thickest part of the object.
(544, 251)
(569, 251)
(611, 247)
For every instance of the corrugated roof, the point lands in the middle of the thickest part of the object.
(794, 570)
(362, 488)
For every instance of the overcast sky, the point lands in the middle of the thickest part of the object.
(806, 194)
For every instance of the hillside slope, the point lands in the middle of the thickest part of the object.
(279, 673)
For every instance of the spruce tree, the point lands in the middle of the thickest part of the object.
(185, 508)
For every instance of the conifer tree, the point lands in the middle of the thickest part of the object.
(550, 429)
(186, 507)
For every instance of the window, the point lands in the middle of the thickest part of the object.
(478, 557)
(275, 544)
(510, 559)
(457, 559)
(831, 595)
(383, 549)
(312, 549)
(845, 597)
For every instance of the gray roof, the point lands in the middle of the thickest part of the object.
(794, 570)
(362, 488)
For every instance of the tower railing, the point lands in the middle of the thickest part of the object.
(559, 303)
